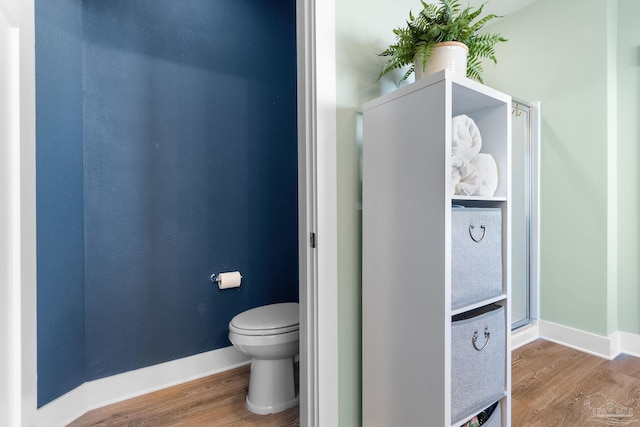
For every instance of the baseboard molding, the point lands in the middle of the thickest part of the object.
(525, 335)
(580, 340)
(627, 343)
(98, 393)
(608, 347)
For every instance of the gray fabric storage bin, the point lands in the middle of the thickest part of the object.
(477, 369)
(495, 420)
(476, 255)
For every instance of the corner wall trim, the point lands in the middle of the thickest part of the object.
(626, 343)
(105, 391)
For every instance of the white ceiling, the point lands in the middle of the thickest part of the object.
(500, 7)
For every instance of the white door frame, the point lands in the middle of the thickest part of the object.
(9, 279)
(17, 222)
(317, 213)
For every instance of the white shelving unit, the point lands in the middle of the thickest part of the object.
(407, 315)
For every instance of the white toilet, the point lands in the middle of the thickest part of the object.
(270, 335)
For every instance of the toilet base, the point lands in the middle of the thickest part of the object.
(260, 410)
(272, 386)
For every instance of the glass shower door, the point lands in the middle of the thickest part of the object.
(524, 212)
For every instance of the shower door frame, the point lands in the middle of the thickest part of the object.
(533, 231)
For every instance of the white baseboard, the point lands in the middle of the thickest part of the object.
(98, 393)
(580, 340)
(627, 343)
(607, 347)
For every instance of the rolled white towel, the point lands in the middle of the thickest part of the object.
(455, 174)
(466, 141)
(486, 174)
(468, 184)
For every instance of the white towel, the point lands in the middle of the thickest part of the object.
(455, 179)
(466, 141)
(472, 173)
(486, 175)
(468, 184)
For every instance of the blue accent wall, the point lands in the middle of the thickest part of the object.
(59, 187)
(188, 147)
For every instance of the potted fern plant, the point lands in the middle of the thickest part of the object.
(445, 26)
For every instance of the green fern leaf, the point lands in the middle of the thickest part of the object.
(438, 22)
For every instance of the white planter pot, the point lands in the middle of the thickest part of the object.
(450, 56)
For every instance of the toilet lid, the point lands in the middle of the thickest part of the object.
(267, 320)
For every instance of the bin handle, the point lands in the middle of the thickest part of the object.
(482, 227)
(474, 340)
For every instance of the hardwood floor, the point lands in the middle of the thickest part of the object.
(552, 385)
(217, 400)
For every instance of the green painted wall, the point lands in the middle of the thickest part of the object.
(363, 28)
(590, 133)
(628, 163)
(572, 87)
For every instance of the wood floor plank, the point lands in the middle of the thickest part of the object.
(522, 414)
(218, 400)
(559, 386)
(627, 364)
(545, 376)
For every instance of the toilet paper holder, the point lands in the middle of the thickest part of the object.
(232, 282)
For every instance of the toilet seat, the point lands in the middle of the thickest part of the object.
(273, 319)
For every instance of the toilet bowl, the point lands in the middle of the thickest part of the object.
(270, 335)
